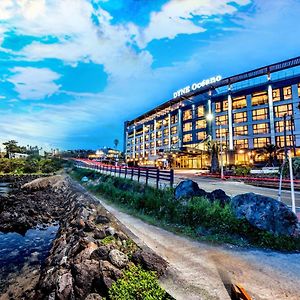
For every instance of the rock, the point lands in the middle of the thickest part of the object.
(102, 220)
(65, 286)
(99, 234)
(188, 189)
(93, 296)
(219, 195)
(150, 261)
(110, 231)
(89, 226)
(101, 253)
(120, 235)
(265, 213)
(118, 258)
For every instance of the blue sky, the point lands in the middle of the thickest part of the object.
(72, 71)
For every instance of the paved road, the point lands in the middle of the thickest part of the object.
(233, 188)
(196, 269)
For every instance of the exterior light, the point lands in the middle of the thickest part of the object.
(209, 117)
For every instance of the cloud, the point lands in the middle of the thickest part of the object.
(177, 17)
(34, 83)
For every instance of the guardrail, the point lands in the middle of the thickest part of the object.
(133, 173)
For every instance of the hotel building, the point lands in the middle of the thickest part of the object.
(244, 113)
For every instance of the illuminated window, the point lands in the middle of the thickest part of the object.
(287, 93)
(166, 121)
(259, 98)
(221, 132)
(200, 111)
(225, 105)
(174, 119)
(260, 114)
(187, 126)
(152, 144)
(200, 124)
(281, 110)
(299, 90)
(158, 143)
(174, 140)
(279, 126)
(159, 124)
(174, 130)
(261, 128)
(239, 102)
(201, 135)
(166, 142)
(187, 115)
(221, 120)
(147, 128)
(276, 95)
(218, 106)
(280, 141)
(159, 134)
(261, 142)
(240, 117)
(152, 135)
(241, 144)
(187, 138)
(147, 146)
(151, 127)
(240, 130)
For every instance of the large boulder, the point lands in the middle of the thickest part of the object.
(266, 213)
(188, 189)
(219, 195)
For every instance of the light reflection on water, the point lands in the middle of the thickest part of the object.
(17, 250)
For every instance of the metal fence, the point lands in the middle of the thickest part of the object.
(133, 173)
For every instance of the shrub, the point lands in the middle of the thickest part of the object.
(137, 284)
(242, 170)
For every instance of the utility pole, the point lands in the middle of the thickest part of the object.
(292, 182)
(292, 132)
(284, 133)
(221, 148)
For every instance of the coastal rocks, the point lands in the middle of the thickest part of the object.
(118, 258)
(266, 213)
(188, 189)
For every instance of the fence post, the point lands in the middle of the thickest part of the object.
(131, 173)
(147, 173)
(139, 174)
(157, 177)
(125, 172)
(171, 178)
(119, 171)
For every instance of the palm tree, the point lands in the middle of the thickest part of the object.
(213, 149)
(271, 151)
(116, 143)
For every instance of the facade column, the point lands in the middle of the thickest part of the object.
(179, 129)
(230, 123)
(296, 102)
(133, 150)
(249, 122)
(144, 141)
(155, 137)
(169, 127)
(271, 113)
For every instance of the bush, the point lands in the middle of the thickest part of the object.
(137, 284)
(242, 170)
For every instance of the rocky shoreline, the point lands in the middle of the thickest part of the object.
(90, 250)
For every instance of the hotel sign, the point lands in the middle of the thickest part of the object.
(196, 86)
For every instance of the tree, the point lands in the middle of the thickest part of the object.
(271, 151)
(11, 147)
(116, 143)
(213, 149)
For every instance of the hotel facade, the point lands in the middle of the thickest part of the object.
(243, 113)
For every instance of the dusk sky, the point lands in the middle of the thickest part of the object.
(72, 71)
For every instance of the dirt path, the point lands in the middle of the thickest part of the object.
(196, 268)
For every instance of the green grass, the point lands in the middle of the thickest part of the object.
(199, 218)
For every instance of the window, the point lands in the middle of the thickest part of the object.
(287, 93)
(260, 114)
(281, 110)
(147, 146)
(240, 117)
(276, 95)
(159, 143)
(187, 115)
(221, 120)
(187, 138)
(174, 130)
(279, 126)
(166, 121)
(159, 134)
(241, 130)
(221, 132)
(239, 102)
(166, 131)
(201, 135)
(299, 90)
(152, 145)
(200, 111)
(159, 124)
(280, 141)
(261, 142)
(174, 119)
(241, 144)
(147, 128)
(262, 128)
(218, 106)
(259, 98)
(225, 105)
(174, 140)
(152, 135)
(200, 124)
(187, 126)
(166, 142)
